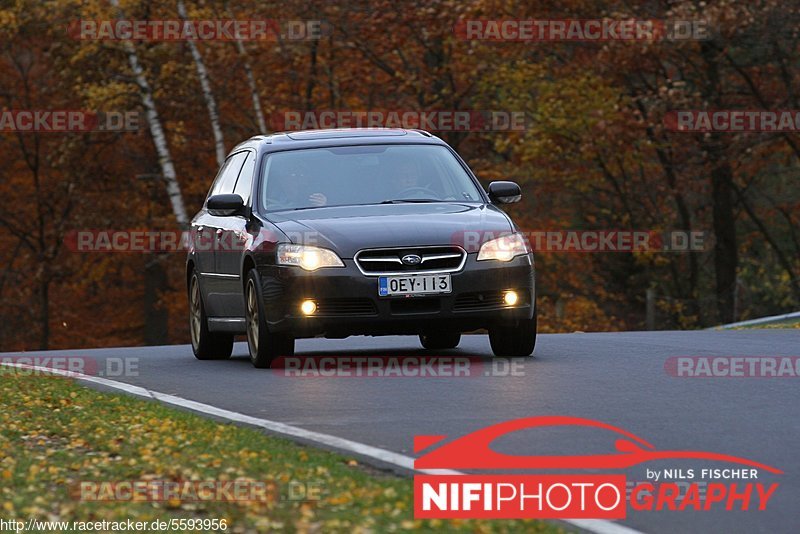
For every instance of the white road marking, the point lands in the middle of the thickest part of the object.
(760, 320)
(596, 526)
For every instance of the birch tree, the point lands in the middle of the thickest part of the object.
(251, 80)
(155, 317)
(208, 94)
(165, 160)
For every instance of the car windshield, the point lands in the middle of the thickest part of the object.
(368, 174)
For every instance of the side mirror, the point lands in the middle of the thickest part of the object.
(504, 192)
(225, 205)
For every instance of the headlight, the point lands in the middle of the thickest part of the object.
(504, 248)
(307, 257)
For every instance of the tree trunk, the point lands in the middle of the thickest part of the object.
(667, 166)
(251, 82)
(312, 77)
(157, 132)
(170, 181)
(156, 331)
(726, 257)
(44, 312)
(208, 95)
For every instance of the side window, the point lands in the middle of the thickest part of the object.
(226, 179)
(245, 182)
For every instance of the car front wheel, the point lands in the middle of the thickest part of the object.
(206, 345)
(264, 346)
(513, 340)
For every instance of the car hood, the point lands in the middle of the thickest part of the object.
(348, 229)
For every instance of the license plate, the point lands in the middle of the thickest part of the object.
(421, 284)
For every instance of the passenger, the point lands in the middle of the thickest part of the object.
(293, 185)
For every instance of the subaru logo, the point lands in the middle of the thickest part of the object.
(411, 259)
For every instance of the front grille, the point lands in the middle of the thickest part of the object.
(485, 301)
(345, 306)
(410, 306)
(445, 259)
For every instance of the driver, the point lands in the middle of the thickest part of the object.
(406, 175)
(405, 179)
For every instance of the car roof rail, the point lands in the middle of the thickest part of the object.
(423, 132)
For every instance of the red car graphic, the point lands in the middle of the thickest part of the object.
(473, 451)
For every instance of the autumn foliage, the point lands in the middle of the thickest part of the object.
(596, 153)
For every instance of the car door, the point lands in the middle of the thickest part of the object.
(212, 229)
(204, 239)
(232, 241)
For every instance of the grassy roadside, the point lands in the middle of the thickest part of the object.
(54, 434)
(787, 323)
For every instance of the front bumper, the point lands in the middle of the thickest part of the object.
(348, 302)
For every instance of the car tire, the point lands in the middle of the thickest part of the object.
(515, 340)
(206, 345)
(440, 341)
(264, 345)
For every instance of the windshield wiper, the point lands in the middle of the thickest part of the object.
(326, 206)
(410, 200)
(309, 208)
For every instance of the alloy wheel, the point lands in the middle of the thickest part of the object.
(194, 312)
(252, 317)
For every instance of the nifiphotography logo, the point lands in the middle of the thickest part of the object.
(443, 492)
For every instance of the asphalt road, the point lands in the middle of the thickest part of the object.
(617, 378)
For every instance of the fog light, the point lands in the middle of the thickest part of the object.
(510, 298)
(308, 307)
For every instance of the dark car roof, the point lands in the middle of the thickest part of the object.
(337, 137)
